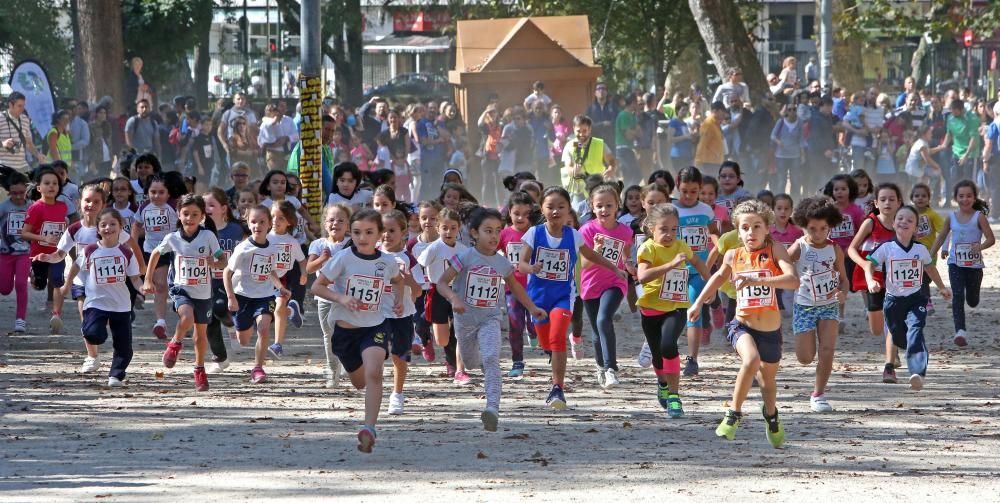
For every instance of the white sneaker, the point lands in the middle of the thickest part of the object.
(90, 365)
(396, 404)
(601, 379)
(332, 378)
(114, 382)
(916, 382)
(216, 367)
(645, 356)
(611, 378)
(819, 404)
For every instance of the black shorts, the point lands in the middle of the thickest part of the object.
(44, 273)
(202, 308)
(768, 343)
(250, 309)
(349, 343)
(400, 336)
(437, 308)
(165, 259)
(873, 301)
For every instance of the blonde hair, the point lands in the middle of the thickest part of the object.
(753, 207)
(661, 211)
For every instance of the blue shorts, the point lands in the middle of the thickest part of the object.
(202, 308)
(807, 318)
(349, 343)
(768, 343)
(251, 309)
(400, 336)
(77, 292)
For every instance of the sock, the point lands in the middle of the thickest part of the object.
(161, 322)
(814, 394)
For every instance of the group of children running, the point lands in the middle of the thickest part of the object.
(392, 280)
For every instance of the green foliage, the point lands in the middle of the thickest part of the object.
(30, 29)
(944, 19)
(162, 32)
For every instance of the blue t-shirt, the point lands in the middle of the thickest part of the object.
(693, 229)
(430, 154)
(993, 134)
(680, 148)
(229, 236)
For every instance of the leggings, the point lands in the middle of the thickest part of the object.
(450, 349)
(601, 312)
(481, 342)
(552, 330)
(577, 320)
(965, 285)
(14, 277)
(420, 324)
(520, 321)
(662, 332)
(216, 341)
(298, 291)
(323, 308)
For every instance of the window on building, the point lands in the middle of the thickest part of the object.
(782, 27)
(808, 27)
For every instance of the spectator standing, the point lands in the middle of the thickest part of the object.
(371, 124)
(432, 151)
(732, 88)
(273, 138)
(58, 140)
(647, 146)
(603, 112)
(626, 132)
(242, 147)
(79, 133)
(789, 150)
(991, 157)
(821, 146)
(541, 133)
(561, 132)
(537, 94)
(140, 131)
(585, 155)
(711, 149)
(242, 109)
(489, 152)
(909, 89)
(963, 132)
(681, 139)
(812, 69)
(15, 135)
(99, 151)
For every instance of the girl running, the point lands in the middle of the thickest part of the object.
(903, 262)
(359, 276)
(823, 288)
(250, 280)
(275, 188)
(475, 297)
(229, 232)
(929, 225)
(335, 220)
(602, 290)
(664, 300)
(123, 200)
(757, 268)
(346, 187)
(964, 231)
(246, 200)
(709, 195)
(283, 220)
(844, 191)
(731, 189)
(520, 208)
(400, 327)
(427, 215)
(784, 231)
(549, 257)
(437, 310)
(14, 259)
(631, 205)
(44, 223)
(650, 195)
(866, 188)
(194, 250)
(156, 219)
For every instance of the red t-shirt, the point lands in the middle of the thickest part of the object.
(48, 220)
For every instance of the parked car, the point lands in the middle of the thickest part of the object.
(412, 87)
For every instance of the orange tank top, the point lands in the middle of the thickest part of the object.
(760, 264)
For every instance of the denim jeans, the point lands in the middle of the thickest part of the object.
(629, 165)
(965, 285)
(905, 317)
(601, 312)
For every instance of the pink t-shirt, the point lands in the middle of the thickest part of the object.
(844, 233)
(594, 280)
(791, 233)
(511, 246)
(47, 220)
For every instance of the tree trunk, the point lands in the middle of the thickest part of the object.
(78, 82)
(348, 49)
(102, 51)
(202, 58)
(728, 42)
(847, 70)
(686, 70)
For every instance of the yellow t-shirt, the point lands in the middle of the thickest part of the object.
(674, 294)
(728, 241)
(929, 224)
(710, 149)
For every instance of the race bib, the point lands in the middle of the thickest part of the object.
(844, 230)
(923, 226)
(730, 204)
(217, 273)
(513, 252)
(639, 240)
(155, 220)
(192, 271)
(555, 264)
(695, 237)
(367, 290)
(965, 256)
(284, 257)
(483, 290)
(15, 223)
(906, 273)
(206, 150)
(753, 296)
(611, 248)
(109, 270)
(823, 286)
(52, 230)
(675, 285)
(260, 267)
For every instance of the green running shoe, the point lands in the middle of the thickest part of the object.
(775, 431)
(663, 395)
(727, 428)
(674, 408)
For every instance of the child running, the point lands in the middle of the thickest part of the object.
(44, 223)
(650, 195)
(360, 274)
(230, 232)
(15, 262)
(550, 256)
(437, 309)
(964, 231)
(335, 220)
(400, 326)
(427, 217)
(903, 262)
(156, 219)
(757, 269)
(784, 231)
(475, 298)
(283, 220)
(520, 208)
(844, 190)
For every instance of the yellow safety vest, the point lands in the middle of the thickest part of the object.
(593, 164)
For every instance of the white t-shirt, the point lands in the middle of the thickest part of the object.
(252, 264)
(406, 263)
(359, 199)
(78, 237)
(289, 251)
(300, 224)
(108, 269)
(903, 267)
(140, 194)
(914, 161)
(434, 257)
(817, 270)
(127, 215)
(157, 222)
(191, 261)
(365, 278)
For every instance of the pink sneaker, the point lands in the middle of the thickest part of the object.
(718, 317)
(461, 377)
(257, 376)
(428, 351)
(200, 379)
(706, 336)
(171, 353)
(450, 369)
(366, 440)
(160, 332)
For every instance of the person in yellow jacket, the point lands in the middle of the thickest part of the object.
(585, 155)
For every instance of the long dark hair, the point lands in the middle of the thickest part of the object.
(871, 206)
(978, 204)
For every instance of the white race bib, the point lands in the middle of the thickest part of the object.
(753, 296)
(284, 262)
(513, 252)
(15, 223)
(844, 230)
(695, 237)
(52, 230)
(611, 249)
(555, 264)
(192, 271)
(823, 285)
(367, 290)
(675, 285)
(155, 219)
(906, 273)
(965, 256)
(923, 226)
(260, 267)
(206, 150)
(109, 270)
(483, 290)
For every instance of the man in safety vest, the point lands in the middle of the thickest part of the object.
(583, 156)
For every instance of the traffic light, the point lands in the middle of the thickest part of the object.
(286, 40)
(273, 46)
(967, 38)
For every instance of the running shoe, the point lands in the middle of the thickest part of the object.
(396, 401)
(295, 313)
(889, 374)
(366, 439)
(819, 404)
(774, 431)
(556, 398)
(916, 382)
(663, 395)
(171, 353)
(730, 422)
(114, 382)
(611, 378)
(90, 364)
(601, 378)
(674, 407)
(960, 339)
(645, 356)
(55, 324)
(490, 419)
(275, 350)
(517, 370)
(690, 367)
(428, 351)
(258, 376)
(20, 327)
(706, 336)
(200, 379)
(450, 369)
(462, 377)
(576, 347)
(216, 367)
(417, 345)
(160, 331)
(718, 317)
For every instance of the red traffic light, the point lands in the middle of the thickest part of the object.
(274, 47)
(967, 38)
